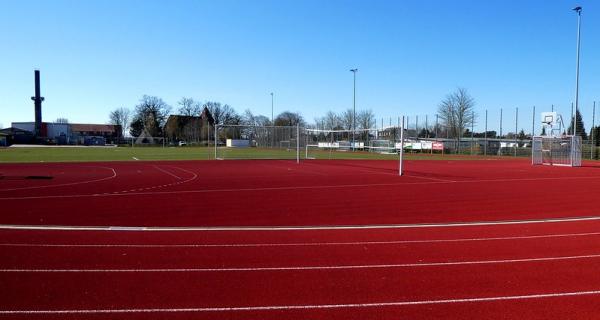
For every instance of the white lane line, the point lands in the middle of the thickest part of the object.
(292, 244)
(308, 307)
(306, 268)
(167, 172)
(292, 228)
(134, 158)
(430, 178)
(295, 188)
(114, 175)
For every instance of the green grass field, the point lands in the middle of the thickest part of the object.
(69, 154)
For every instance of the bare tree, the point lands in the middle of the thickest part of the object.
(189, 107)
(223, 114)
(347, 119)
(288, 118)
(456, 112)
(332, 121)
(152, 112)
(365, 119)
(120, 117)
(255, 120)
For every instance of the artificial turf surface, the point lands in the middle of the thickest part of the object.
(87, 154)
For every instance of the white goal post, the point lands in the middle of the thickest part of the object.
(556, 150)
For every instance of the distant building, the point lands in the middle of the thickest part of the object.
(95, 134)
(14, 135)
(190, 128)
(72, 133)
(3, 140)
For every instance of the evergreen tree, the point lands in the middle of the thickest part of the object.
(596, 135)
(580, 126)
(521, 136)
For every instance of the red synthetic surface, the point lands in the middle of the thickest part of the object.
(535, 270)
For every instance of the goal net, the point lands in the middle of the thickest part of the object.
(347, 144)
(258, 142)
(556, 150)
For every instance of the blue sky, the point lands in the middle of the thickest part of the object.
(99, 55)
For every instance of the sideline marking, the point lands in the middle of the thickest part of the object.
(291, 244)
(290, 228)
(305, 307)
(306, 268)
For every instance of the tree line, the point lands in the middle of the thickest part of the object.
(455, 112)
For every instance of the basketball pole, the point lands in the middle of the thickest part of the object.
(401, 147)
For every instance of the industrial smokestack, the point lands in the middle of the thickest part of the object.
(37, 101)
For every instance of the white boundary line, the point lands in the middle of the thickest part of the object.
(295, 244)
(306, 307)
(307, 268)
(290, 228)
(114, 175)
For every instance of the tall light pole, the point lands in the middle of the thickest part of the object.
(354, 108)
(578, 10)
(272, 123)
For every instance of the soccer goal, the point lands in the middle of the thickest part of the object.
(258, 142)
(334, 144)
(554, 148)
(557, 151)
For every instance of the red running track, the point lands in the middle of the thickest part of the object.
(533, 270)
(283, 193)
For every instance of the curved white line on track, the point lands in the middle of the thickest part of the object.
(294, 188)
(167, 172)
(307, 268)
(114, 175)
(291, 228)
(296, 244)
(137, 190)
(306, 307)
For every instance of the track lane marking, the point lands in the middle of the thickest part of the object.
(291, 228)
(306, 268)
(307, 307)
(292, 244)
(295, 188)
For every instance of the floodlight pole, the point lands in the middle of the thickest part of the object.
(354, 107)
(578, 10)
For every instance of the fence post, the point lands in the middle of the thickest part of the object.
(298, 143)
(593, 130)
(216, 134)
(516, 129)
(401, 147)
(485, 134)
